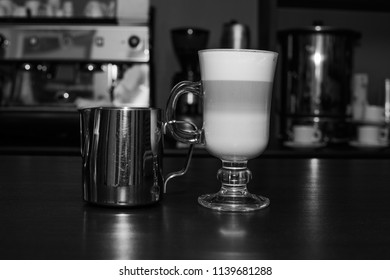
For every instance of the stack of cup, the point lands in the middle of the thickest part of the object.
(372, 130)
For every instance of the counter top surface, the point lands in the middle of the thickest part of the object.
(343, 151)
(320, 209)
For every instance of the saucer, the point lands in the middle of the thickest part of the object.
(299, 145)
(378, 145)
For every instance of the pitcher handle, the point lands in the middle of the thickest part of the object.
(182, 171)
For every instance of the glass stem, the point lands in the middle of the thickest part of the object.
(234, 176)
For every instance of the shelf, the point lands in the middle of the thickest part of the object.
(359, 5)
(57, 20)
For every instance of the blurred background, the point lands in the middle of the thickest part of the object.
(57, 56)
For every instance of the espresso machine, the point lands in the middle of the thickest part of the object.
(187, 42)
(52, 67)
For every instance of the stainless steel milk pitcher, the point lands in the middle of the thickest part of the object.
(121, 152)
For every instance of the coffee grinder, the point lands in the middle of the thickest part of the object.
(187, 42)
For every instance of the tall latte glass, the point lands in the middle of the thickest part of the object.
(235, 87)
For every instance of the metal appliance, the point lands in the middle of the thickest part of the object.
(235, 35)
(317, 68)
(122, 155)
(50, 70)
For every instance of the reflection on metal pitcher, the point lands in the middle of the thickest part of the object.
(121, 150)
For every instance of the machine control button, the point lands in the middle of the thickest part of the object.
(33, 41)
(67, 41)
(99, 41)
(3, 41)
(134, 41)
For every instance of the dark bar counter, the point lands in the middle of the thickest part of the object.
(340, 151)
(321, 208)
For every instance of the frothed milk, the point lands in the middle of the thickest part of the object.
(237, 94)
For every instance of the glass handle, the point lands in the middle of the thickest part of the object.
(192, 135)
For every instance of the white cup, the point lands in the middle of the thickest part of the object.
(3, 11)
(374, 113)
(19, 11)
(7, 7)
(94, 9)
(306, 134)
(370, 134)
(68, 8)
(33, 6)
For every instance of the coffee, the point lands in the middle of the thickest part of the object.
(237, 94)
(236, 118)
(235, 88)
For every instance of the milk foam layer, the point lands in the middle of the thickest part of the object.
(241, 65)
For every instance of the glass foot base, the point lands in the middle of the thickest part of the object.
(242, 203)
